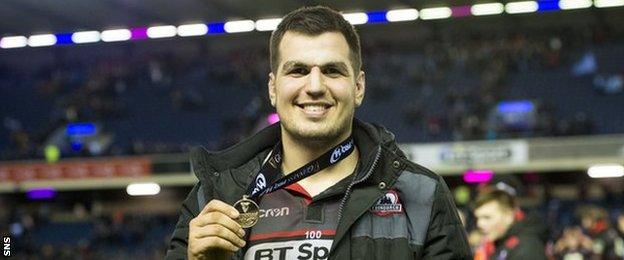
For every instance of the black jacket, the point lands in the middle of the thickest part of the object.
(525, 239)
(428, 229)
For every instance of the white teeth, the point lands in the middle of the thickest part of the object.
(314, 108)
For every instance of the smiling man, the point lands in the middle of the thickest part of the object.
(321, 184)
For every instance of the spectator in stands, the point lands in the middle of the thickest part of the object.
(507, 234)
(573, 244)
(595, 223)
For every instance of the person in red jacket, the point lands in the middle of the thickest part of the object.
(507, 232)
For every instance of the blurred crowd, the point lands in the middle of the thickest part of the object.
(499, 228)
(98, 91)
(48, 232)
(498, 225)
(466, 106)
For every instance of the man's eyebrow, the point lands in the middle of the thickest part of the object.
(338, 64)
(289, 64)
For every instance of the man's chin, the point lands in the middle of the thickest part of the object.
(314, 134)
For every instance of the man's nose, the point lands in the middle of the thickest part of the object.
(316, 84)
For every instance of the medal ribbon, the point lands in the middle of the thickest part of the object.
(270, 170)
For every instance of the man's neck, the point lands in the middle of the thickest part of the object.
(298, 153)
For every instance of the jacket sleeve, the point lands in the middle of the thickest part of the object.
(177, 248)
(446, 237)
(530, 247)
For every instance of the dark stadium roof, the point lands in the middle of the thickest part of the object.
(43, 16)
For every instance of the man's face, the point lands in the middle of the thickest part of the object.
(315, 90)
(587, 222)
(493, 220)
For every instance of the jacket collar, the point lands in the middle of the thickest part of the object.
(367, 138)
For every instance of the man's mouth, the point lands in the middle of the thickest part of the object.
(315, 109)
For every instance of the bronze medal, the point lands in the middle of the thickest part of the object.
(249, 212)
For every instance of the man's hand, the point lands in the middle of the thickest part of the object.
(214, 234)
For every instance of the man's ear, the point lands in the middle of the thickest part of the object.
(271, 86)
(360, 88)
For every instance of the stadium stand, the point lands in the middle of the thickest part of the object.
(448, 90)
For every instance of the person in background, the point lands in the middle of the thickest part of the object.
(573, 244)
(595, 223)
(507, 233)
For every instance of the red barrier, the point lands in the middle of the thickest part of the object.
(76, 169)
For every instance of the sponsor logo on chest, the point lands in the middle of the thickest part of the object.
(275, 212)
(306, 249)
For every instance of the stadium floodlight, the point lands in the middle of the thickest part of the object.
(435, 13)
(40, 40)
(574, 4)
(196, 29)
(356, 18)
(13, 42)
(239, 26)
(606, 171)
(116, 35)
(143, 189)
(399, 15)
(608, 3)
(487, 9)
(85, 37)
(267, 24)
(163, 31)
(521, 7)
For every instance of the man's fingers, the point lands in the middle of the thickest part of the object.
(220, 206)
(216, 230)
(220, 219)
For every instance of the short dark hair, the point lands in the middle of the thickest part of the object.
(504, 199)
(593, 212)
(314, 21)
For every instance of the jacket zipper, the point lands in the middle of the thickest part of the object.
(350, 187)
